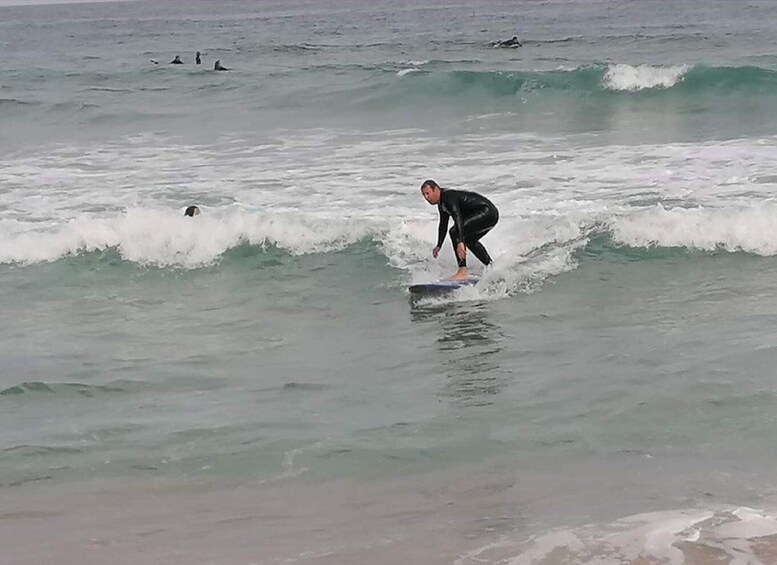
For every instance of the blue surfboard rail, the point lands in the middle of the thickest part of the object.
(440, 287)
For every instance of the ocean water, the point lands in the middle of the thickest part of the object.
(254, 385)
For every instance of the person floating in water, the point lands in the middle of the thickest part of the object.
(192, 211)
(218, 67)
(176, 61)
(473, 217)
(197, 59)
(513, 42)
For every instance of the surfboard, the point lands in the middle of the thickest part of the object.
(440, 287)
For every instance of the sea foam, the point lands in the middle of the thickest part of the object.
(752, 228)
(165, 238)
(675, 537)
(641, 77)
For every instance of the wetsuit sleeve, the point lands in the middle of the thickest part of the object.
(443, 228)
(455, 210)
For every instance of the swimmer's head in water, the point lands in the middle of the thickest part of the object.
(431, 191)
(192, 211)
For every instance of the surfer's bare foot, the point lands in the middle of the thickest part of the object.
(461, 275)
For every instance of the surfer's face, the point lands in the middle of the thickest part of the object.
(431, 194)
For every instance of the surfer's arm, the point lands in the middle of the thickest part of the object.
(458, 220)
(443, 228)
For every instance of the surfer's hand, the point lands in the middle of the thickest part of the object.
(435, 252)
(461, 250)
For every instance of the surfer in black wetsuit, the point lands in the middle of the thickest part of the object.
(512, 42)
(473, 217)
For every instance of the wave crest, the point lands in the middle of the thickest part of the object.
(591, 80)
(167, 239)
(642, 77)
(751, 229)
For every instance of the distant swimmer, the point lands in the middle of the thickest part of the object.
(197, 59)
(509, 42)
(473, 217)
(218, 67)
(154, 61)
(176, 61)
(192, 211)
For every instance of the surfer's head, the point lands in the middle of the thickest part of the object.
(431, 191)
(192, 211)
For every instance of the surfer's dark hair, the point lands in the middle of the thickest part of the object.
(190, 211)
(430, 183)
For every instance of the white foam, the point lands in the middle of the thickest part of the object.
(641, 77)
(413, 67)
(752, 523)
(321, 190)
(752, 228)
(518, 266)
(661, 537)
(166, 238)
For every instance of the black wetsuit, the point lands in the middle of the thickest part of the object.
(510, 43)
(473, 217)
